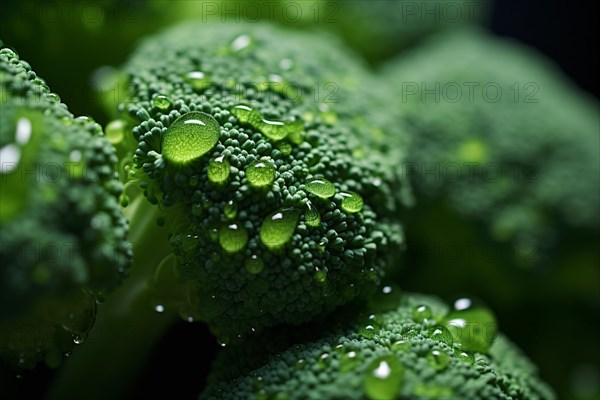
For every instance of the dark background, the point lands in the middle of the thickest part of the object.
(564, 31)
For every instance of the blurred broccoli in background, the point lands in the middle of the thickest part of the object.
(63, 235)
(505, 165)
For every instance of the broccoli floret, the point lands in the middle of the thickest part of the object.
(500, 135)
(278, 209)
(419, 348)
(63, 237)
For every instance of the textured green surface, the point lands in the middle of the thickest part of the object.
(262, 80)
(401, 359)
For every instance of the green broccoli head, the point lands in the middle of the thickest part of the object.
(277, 207)
(63, 235)
(500, 135)
(419, 348)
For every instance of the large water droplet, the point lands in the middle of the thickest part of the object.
(351, 202)
(233, 237)
(421, 313)
(246, 114)
(189, 137)
(474, 327)
(384, 378)
(320, 187)
(278, 227)
(260, 173)
(115, 131)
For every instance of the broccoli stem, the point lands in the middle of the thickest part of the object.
(127, 327)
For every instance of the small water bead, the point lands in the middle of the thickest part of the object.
(189, 137)
(233, 237)
(320, 187)
(384, 378)
(465, 356)
(440, 333)
(421, 313)
(197, 210)
(351, 202)
(159, 308)
(438, 359)
(115, 131)
(278, 130)
(198, 79)
(312, 217)
(474, 327)
(161, 102)
(369, 330)
(230, 210)
(278, 227)
(386, 299)
(254, 265)
(53, 97)
(218, 170)
(320, 277)
(260, 173)
(285, 148)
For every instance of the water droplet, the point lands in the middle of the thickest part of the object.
(230, 210)
(440, 333)
(312, 216)
(323, 361)
(421, 313)
(320, 187)
(349, 361)
(465, 356)
(285, 148)
(474, 327)
(260, 173)
(159, 308)
(10, 156)
(115, 131)
(254, 265)
(218, 170)
(400, 345)
(278, 227)
(191, 136)
(161, 102)
(369, 330)
(438, 359)
(240, 43)
(246, 114)
(351, 202)
(23, 131)
(79, 339)
(384, 378)
(199, 80)
(320, 276)
(233, 237)
(278, 130)
(386, 299)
